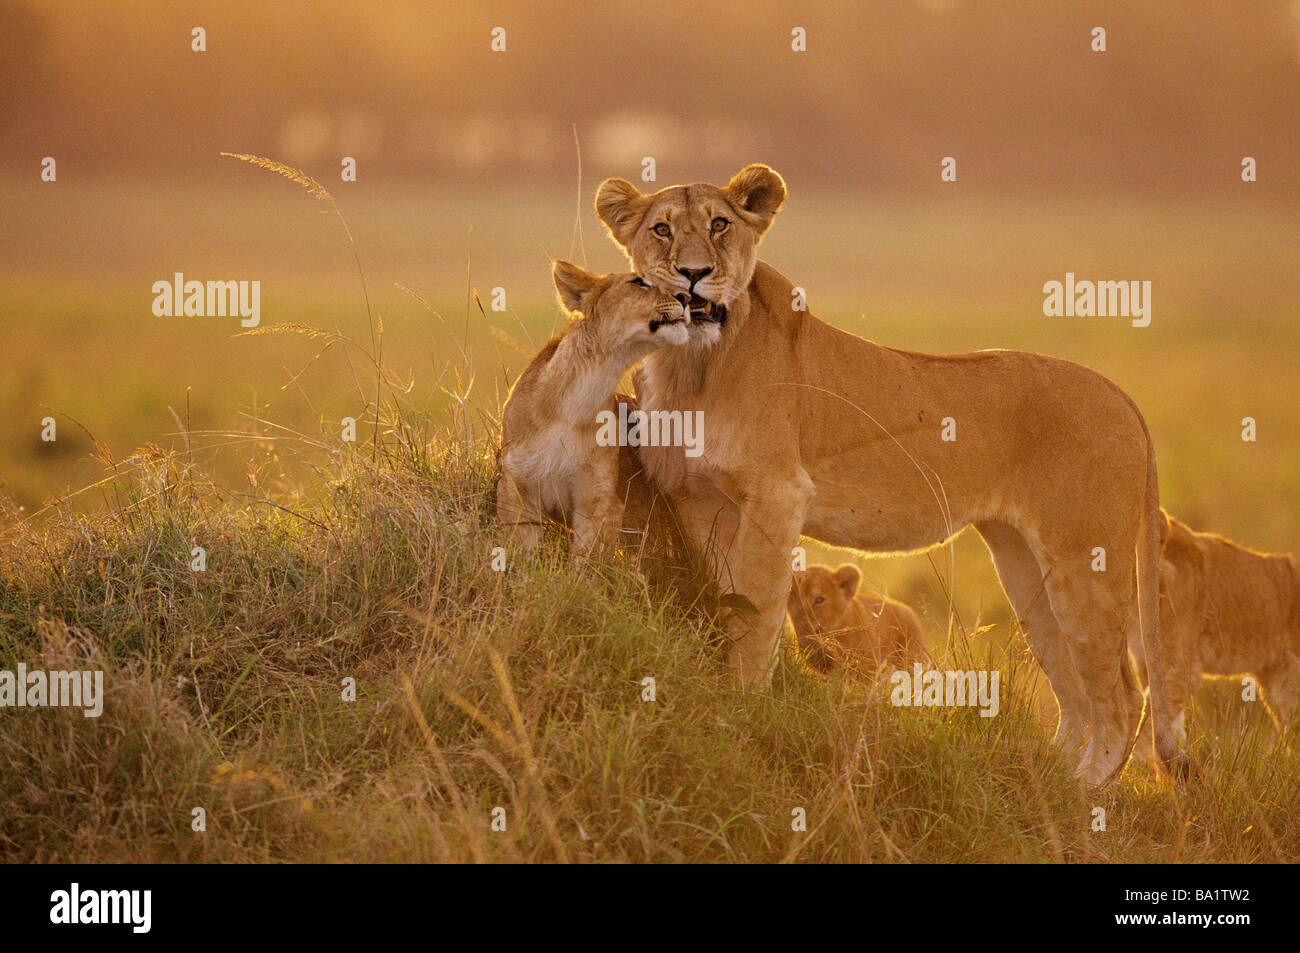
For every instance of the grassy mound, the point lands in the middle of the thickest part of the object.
(504, 716)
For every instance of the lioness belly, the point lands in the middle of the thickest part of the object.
(872, 527)
(877, 500)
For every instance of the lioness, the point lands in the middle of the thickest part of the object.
(1225, 610)
(808, 429)
(836, 621)
(551, 464)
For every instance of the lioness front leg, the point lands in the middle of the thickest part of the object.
(519, 513)
(596, 526)
(758, 567)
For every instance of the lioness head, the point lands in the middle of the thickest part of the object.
(819, 602)
(698, 239)
(624, 312)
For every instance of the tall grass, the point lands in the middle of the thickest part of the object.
(521, 690)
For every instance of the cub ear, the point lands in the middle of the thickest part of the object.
(848, 577)
(573, 283)
(759, 192)
(620, 205)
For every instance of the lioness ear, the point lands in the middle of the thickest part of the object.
(759, 192)
(620, 205)
(573, 283)
(848, 577)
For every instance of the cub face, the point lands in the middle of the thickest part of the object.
(698, 239)
(819, 602)
(627, 314)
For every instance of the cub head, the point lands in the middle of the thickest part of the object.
(819, 603)
(698, 239)
(624, 312)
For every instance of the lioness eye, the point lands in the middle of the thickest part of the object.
(719, 225)
(819, 600)
(637, 281)
(662, 230)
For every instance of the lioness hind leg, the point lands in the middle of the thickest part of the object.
(1022, 580)
(1145, 747)
(1097, 610)
(1182, 671)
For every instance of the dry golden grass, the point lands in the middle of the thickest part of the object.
(520, 690)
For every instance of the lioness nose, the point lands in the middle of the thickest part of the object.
(694, 274)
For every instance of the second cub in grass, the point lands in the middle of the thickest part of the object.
(552, 467)
(837, 622)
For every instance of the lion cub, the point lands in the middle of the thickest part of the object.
(1227, 611)
(551, 464)
(835, 622)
